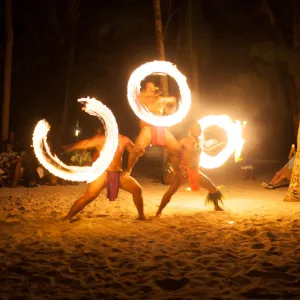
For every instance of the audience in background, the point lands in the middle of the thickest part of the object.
(283, 176)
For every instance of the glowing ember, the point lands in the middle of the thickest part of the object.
(235, 141)
(230, 222)
(134, 86)
(188, 189)
(76, 173)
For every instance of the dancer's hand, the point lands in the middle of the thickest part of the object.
(125, 173)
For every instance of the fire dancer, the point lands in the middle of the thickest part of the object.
(112, 179)
(157, 136)
(189, 170)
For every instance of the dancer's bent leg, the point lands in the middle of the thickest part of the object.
(130, 185)
(173, 188)
(214, 195)
(142, 142)
(92, 192)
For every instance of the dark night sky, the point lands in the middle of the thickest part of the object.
(112, 39)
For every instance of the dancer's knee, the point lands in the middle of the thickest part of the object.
(90, 196)
(137, 191)
(139, 150)
(175, 157)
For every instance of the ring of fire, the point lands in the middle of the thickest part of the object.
(134, 86)
(76, 173)
(235, 142)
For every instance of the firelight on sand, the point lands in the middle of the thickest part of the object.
(134, 87)
(234, 144)
(76, 173)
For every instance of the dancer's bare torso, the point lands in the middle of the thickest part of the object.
(124, 144)
(190, 155)
(156, 104)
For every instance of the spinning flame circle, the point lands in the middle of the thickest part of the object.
(134, 87)
(235, 141)
(76, 173)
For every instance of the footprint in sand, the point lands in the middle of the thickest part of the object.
(160, 257)
(172, 284)
(252, 232)
(240, 279)
(146, 289)
(272, 275)
(261, 293)
(258, 246)
(271, 236)
(102, 216)
(180, 263)
(181, 230)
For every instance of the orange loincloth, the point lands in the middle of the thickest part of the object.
(158, 135)
(193, 177)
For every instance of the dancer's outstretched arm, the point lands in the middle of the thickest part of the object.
(97, 140)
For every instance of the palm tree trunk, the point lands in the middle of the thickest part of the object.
(193, 54)
(293, 194)
(7, 69)
(296, 46)
(265, 8)
(72, 14)
(71, 58)
(160, 42)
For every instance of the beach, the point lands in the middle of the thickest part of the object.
(249, 251)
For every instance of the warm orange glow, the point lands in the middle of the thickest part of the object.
(235, 141)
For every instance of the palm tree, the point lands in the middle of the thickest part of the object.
(293, 84)
(7, 69)
(72, 15)
(193, 54)
(160, 41)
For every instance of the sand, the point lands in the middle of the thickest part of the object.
(250, 251)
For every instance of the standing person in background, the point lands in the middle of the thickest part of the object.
(246, 160)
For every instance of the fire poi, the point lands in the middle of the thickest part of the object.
(234, 144)
(153, 110)
(75, 173)
(142, 112)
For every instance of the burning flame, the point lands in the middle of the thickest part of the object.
(235, 141)
(76, 173)
(134, 87)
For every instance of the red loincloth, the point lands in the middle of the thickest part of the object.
(193, 177)
(158, 135)
(113, 185)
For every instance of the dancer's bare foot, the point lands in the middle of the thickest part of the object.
(215, 199)
(218, 208)
(158, 214)
(142, 218)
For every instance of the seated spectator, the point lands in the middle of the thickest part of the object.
(29, 163)
(283, 176)
(10, 165)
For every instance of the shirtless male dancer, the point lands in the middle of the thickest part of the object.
(189, 170)
(113, 178)
(157, 136)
